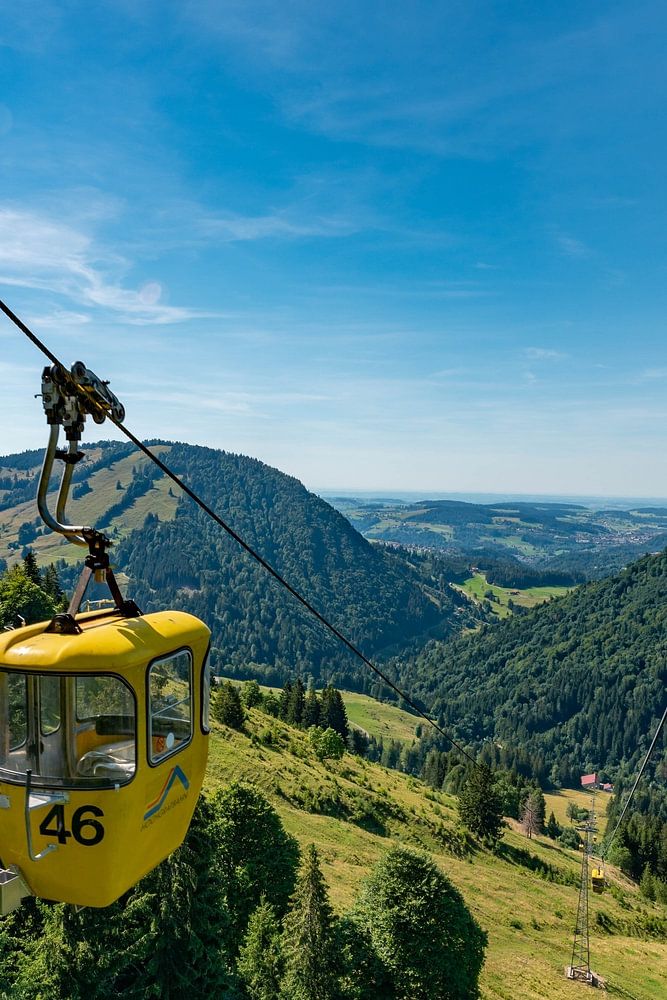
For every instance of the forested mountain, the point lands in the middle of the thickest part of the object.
(175, 556)
(578, 684)
(370, 593)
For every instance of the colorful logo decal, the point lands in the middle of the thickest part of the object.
(157, 804)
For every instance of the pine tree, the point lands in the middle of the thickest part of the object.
(421, 929)
(51, 584)
(260, 962)
(529, 817)
(168, 937)
(311, 709)
(285, 696)
(296, 703)
(30, 568)
(257, 856)
(540, 808)
(308, 937)
(227, 707)
(333, 712)
(553, 827)
(480, 807)
(647, 884)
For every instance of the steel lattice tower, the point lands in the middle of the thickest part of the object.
(580, 967)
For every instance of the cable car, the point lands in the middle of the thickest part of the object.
(598, 880)
(103, 716)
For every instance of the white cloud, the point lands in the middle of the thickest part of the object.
(39, 252)
(543, 354)
(58, 319)
(231, 228)
(572, 247)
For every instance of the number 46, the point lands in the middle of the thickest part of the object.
(85, 831)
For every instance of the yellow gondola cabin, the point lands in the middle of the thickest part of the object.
(597, 880)
(103, 715)
(104, 740)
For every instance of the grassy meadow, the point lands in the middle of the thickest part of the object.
(477, 587)
(353, 810)
(89, 509)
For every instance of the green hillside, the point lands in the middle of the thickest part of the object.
(578, 683)
(375, 718)
(353, 810)
(503, 600)
(175, 556)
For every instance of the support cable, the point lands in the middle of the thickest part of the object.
(244, 545)
(637, 780)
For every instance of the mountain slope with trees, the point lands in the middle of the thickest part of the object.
(578, 684)
(371, 594)
(179, 558)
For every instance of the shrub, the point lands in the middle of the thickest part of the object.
(326, 743)
(570, 838)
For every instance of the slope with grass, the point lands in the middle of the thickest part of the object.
(525, 895)
(502, 599)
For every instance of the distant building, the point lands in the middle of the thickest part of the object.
(589, 780)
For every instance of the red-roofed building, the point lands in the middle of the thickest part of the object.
(607, 787)
(589, 780)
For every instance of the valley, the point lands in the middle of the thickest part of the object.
(559, 537)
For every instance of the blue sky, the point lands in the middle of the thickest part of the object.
(410, 246)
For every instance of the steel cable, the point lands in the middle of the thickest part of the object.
(244, 545)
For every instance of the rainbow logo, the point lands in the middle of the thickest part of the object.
(157, 803)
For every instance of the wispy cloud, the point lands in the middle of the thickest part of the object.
(572, 247)
(654, 374)
(510, 88)
(279, 225)
(58, 319)
(543, 354)
(40, 252)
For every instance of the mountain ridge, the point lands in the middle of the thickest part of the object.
(174, 555)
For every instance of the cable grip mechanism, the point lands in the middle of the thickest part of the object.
(68, 397)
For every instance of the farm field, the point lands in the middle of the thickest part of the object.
(545, 534)
(477, 587)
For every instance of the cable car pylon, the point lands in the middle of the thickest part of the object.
(580, 965)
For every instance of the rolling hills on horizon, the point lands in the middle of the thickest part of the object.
(556, 536)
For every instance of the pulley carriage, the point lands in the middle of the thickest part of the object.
(103, 715)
